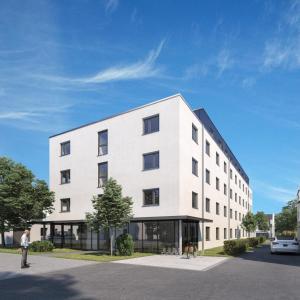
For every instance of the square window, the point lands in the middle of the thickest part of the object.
(151, 124)
(151, 161)
(65, 176)
(151, 197)
(65, 205)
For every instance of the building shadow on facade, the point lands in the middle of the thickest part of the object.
(40, 287)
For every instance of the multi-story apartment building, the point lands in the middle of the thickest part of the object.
(186, 184)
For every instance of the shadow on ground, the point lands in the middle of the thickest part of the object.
(40, 287)
(263, 254)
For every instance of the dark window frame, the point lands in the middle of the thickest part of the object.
(158, 161)
(61, 176)
(102, 145)
(195, 133)
(217, 159)
(207, 176)
(207, 147)
(153, 190)
(102, 177)
(61, 148)
(207, 205)
(195, 165)
(68, 206)
(148, 118)
(217, 208)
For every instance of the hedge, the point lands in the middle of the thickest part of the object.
(253, 242)
(234, 247)
(41, 246)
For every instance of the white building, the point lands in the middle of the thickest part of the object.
(186, 184)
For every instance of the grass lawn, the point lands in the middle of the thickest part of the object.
(217, 251)
(99, 257)
(18, 251)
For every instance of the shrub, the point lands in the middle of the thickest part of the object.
(124, 244)
(253, 242)
(41, 246)
(262, 239)
(234, 247)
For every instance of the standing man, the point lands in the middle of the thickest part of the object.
(24, 247)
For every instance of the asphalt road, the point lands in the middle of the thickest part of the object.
(257, 275)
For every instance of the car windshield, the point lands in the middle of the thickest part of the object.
(285, 238)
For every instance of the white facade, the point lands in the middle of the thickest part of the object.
(174, 177)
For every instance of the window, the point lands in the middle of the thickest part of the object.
(239, 183)
(230, 193)
(239, 200)
(194, 166)
(151, 124)
(235, 197)
(217, 208)
(217, 183)
(65, 176)
(230, 173)
(194, 200)
(207, 176)
(235, 179)
(235, 215)
(217, 233)
(225, 211)
(65, 205)
(235, 233)
(151, 197)
(230, 233)
(243, 187)
(230, 213)
(243, 202)
(207, 205)
(240, 217)
(225, 167)
(194, 133)
(207, 148)
(65, 148)
(207, 233)
(225, 189)
(103, 142)
(225, 233)
(217, 158)
(102, 174)
(151, 160)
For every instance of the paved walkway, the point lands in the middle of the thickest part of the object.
(199, 263)
(10, 265)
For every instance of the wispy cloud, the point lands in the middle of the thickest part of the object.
(111, 6)
(139, 70)
(283, 50)
(224, 61)
(273, 192)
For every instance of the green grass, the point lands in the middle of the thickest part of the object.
(18, 251)
(217, 251)
(99, 257)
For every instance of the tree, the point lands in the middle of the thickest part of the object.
(111, 210)
(249, 223)
(23, 198)
(262, 221)
(286, 220)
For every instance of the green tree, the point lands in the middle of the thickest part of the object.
(111, 210)
(286, 220)
(262, 221)
(23, 198)
(249, 223)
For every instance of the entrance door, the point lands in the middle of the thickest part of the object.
(189, 233)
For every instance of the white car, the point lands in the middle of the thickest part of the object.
(285, 245)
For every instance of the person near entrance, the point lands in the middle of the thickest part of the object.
(24, 247)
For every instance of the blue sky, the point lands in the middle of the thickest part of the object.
(66, 63)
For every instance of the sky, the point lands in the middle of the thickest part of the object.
(67, 63)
